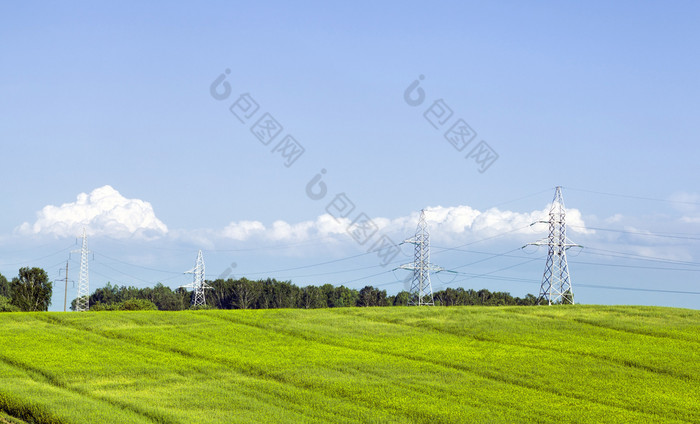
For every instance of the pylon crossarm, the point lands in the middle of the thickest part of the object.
(537, 243)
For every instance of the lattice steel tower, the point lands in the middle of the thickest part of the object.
(82, 303)
(556, 281)
(421, 288)
(199, 284)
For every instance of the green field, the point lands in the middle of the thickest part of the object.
(567, 364)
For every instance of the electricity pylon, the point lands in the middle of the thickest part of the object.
(82, 303)
(556, 281)
(198, 285)
(421, 288)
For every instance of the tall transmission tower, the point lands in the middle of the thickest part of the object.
(556, 281)
(198, 285)
(82, 302)
(421, 288)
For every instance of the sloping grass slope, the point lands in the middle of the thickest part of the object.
(566, 364)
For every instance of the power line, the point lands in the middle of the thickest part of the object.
(124, 273)
(138, 266)
(493, 256)
(458, 248)
(632, 256)
(39, 259)
(634, 197)
(310, 266)
(334, 272)
(637, 289)
(117, 281)
(368, 276)
(641, 233)
(473, 276)
(597, 286)
(483, 275)
(637, 266)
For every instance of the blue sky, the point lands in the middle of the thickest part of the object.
(113, 102)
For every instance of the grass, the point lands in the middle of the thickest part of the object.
(387, 365)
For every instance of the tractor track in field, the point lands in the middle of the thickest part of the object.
(679, 338)
(253, 372)
(379, 353)
(42, 376)
(489, 376)
(635, 332)
(15, 420)
(367, 374)
(625, 363)
(56, 382)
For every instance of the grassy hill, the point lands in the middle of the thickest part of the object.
(395, 365)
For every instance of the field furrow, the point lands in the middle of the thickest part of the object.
(387, 365)
(484, 370)
(194, 349)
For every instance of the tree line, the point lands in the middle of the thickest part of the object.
(31, 291)
(270, 293)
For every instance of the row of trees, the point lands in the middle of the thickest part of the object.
(460, 296)
(30, 291)
(270, 293)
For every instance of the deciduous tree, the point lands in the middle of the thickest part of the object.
(246, 293)
(31, 290)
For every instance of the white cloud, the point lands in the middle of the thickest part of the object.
(243, 230)
(102, 212)
(447, 224)
(324, 226)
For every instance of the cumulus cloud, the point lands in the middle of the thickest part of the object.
(447, 224)
(325, 225)
(243, 230)
(102, 212)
